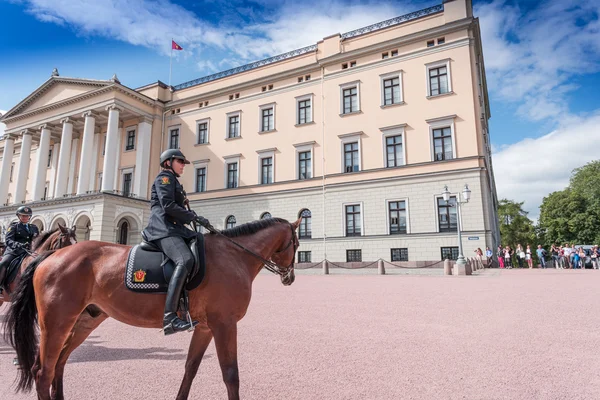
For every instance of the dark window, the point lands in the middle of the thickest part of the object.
(304, 257)
(232, 175)
(203, 133)
(45, 192)
(352, 64)
(268, 123)
(230, 222)
(430, 43)
(353, 224)
(234, 127)
(397, 210)
(391, 91)
(307, 78)
(304, 165)
(447, 214)
(450, 252)
(393, 149)
(394, 53)
(12, 168)
(399, 254)
(344, 65)
(174, 142)
(266, 170)
(266, 215)
(350, 98)
(130, 140)
(384, 55)
(441, 40)
(305, 229)
(304, 114)
(127, 184)
(300, 79)
(442, 144)
(124, 232)
(351, 157)
(438, 81)
(50, 157)
(200, 179)
(353, 255)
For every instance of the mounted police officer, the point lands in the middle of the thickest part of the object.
(18, 238)
(166, 228)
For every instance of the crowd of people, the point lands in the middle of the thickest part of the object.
(562, 257)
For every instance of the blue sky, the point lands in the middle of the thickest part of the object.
(542, 61)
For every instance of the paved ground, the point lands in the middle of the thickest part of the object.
(518, 334)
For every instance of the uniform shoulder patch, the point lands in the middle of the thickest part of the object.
(165, 180)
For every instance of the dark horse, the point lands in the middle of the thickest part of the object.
(92, 274)
(47, 240)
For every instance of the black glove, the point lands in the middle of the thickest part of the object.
(204, 222)
(21, 245)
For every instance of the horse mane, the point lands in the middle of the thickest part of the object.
(252, 227)
(42, 237)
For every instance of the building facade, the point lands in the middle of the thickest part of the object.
(358, 133)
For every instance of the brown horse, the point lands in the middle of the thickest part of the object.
(93, 275)
(48, 240)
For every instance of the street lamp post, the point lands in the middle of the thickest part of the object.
(461, 263)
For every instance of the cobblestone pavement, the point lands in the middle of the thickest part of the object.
(518, 334)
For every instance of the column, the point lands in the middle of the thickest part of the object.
(95, 149)
(110, 156)
(142, 157)
(62, 173)
(9, 149)
(87, 148)
(53, 167)
(118, 156)
(23, 172)
(72, 165)
(39, 181)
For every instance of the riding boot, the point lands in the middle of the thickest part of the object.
(171, 322)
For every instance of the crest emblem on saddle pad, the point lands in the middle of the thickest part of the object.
(139, 275)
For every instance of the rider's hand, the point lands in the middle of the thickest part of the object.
(204, 222)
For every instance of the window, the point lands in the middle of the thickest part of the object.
(304, 109)
(352, 64)
(447, 218)
(104, 146)
(233, 129)
(264, 88)
(397, 215)
(344, 65)
(438, 78)
(12, 169)
(266, 215)
(385, 55)
(201, 179)
(394, 53)
(307, 78)
(399, 254)
(353, 255)
(100, 181)
(300, 79)
(442, 144)
(268, 119)
(351, 160)
(350, 100)
(305, 229)
(450, 253)
(394, 152)
(353, 220)
(430, 43)
(304, 257)
(46, 191)
(49, 157)
(123, 232)
(391, 90)
(230, 222)
(174, 139)
(130, 140)
(304, 165)
(232, 175)
(270, 87)
(266, 175)
(127, 183)
(202, 132)
(441, 40)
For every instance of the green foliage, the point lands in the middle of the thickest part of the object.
(515, 226)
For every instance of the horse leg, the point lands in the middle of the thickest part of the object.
(226, 343)
(200, 341)
(83, 327)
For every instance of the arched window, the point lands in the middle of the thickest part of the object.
(123, 232)
(230, 222)
(266, 215)
(305, 230)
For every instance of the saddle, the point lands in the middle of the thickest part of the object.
(148, 269)
(12, 271)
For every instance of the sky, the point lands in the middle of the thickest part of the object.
(542, 61)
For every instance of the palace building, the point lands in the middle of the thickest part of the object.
(359, 133)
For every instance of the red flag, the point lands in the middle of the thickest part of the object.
(175, 46)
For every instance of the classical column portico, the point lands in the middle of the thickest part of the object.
(110, 156)
(9, 149)
(62, 173)
(53, 167)
(23, 172)
(142, 157)
(41, 156)
(73, 161)
(92, 171)
(87, 148)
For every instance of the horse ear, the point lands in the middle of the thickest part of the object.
(63, 229)
(297, 223)
(74, 228)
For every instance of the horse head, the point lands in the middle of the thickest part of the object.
(55, 239)
(286, 254)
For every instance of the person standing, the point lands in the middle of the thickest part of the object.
(528, 257)
(541, 253)
(500, 255)
(488, 255)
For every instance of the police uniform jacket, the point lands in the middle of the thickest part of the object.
(19, 233)
(167, 212)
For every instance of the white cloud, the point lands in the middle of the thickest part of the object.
(531, 169)
(2, 126)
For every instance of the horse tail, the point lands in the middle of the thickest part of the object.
(20, 325)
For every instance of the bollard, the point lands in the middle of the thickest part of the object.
(447, 269)
(325, 267)
(380, 267)
(468, 269)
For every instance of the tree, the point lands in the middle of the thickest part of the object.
(515, 226)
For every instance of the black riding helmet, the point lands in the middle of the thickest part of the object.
(24, 210)
(170, 155)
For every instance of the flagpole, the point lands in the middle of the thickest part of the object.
(171, 63)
